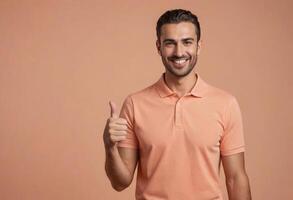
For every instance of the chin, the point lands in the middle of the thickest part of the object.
(180, 74)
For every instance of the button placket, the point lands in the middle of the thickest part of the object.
(178, 113)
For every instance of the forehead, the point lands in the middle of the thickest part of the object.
(177, 31)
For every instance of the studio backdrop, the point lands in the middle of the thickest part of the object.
(62, 61)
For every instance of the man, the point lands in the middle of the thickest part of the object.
(179, 129)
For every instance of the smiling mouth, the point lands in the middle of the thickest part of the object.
(180, 62)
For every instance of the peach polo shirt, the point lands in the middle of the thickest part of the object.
(180, 140)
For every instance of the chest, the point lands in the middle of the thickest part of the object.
(195, 125)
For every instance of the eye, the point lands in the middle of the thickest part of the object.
(188, 42)
(168, 43)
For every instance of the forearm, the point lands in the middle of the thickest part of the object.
(116, 170)
(238, 188)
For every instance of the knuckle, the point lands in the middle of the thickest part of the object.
(122, 120)
(112, 137)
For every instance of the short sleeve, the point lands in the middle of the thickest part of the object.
(127, 112)
(232, 140)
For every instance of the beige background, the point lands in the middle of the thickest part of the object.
(61, 61)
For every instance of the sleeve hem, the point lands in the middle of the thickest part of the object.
(233, 151)
(127, 146)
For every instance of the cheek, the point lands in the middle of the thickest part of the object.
(167, 52)
(192, 54)
(193, 51)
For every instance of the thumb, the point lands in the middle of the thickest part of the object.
(114, 112)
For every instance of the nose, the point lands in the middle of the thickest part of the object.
(178, 50)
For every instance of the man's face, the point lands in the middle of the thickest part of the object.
(178, 48)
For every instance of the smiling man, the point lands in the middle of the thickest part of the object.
(179, 129)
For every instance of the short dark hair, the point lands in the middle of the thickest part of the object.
(176, 16)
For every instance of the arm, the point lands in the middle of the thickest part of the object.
(120, 162)
(236, 178)
(120, 166)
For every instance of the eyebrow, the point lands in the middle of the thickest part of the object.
(172, 40)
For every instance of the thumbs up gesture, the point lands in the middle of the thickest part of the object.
(115, 129)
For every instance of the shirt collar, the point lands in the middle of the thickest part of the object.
(199, 89)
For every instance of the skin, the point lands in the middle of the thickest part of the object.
(179, 41)
(120, 162)
(176, 41)
(237, 181)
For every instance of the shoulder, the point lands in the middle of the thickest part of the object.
(214, 91)
(225, 103)
(147, 92)
(220, 95)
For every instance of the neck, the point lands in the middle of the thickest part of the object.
(180, 85)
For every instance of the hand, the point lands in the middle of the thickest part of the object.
(115, 129)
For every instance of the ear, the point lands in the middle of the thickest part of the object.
(199, 46)
(158, 45)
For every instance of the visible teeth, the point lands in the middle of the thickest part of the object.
(180, 61)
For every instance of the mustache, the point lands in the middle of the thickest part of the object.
(176, 57)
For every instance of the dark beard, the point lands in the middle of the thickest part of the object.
(169, 68)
